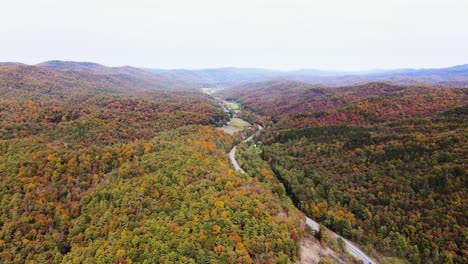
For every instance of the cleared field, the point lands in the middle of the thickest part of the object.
(232, 106)
(235, 125)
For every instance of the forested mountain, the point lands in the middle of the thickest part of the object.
(149, 78)
(119, 164)
(457, 75)
(127, 177)
(66, 79)
(10, 63)
(96, 68)
(219, 76)
(302, 104)
(381, 164)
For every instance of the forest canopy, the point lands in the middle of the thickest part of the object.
(380, 164)
(131, 177)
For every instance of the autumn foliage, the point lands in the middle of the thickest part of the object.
(381, 164)
(129, 178)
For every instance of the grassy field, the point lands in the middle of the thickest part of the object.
(234, 126)
(232, 106)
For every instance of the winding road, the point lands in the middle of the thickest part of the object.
(232, 156)
(350, 247)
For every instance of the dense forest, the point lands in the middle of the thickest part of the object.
(99, 176)
(378, 163)
(59, 80)
(121, 165)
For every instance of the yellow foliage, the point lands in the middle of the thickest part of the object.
(202, 235)
(224, 215)
(219, 204)
(120, 253)
(205, 212)
(50, 157)
(213, 213)
(240, 248)
(142, 186)
(248, 259)
(218, 249)
(147, 148)
(216, 229)
(228, 186)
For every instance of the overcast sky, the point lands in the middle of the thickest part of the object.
(277, 34)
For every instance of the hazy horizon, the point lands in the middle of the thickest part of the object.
(332, 35)
(235, 67)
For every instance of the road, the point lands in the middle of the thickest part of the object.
(232, 153)
(232, 156)
(355, 251)
(350, 247)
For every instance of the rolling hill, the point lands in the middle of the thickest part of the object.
(62, 79)
(451, 76)
(93, 169)
(379, 163)
(219, 76)
(130, 78)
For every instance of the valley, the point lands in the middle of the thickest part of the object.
(118, 164)
(303, 147)
(234, 132)
(314, 226)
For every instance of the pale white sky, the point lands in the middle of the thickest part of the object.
(278, 34)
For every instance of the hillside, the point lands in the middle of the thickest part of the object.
(149, 78)
(451, 76)
(95, 68)
(37, 81)
(119, 164)
(218, 76)
(300, 103)
(119, 177)
(380, 164)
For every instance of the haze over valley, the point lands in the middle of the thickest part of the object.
(216, 132)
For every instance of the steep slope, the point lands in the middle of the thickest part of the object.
(400, 187)
(143, 76)
(300, 104)
(378, 163)
(131, 178)
(38, 81)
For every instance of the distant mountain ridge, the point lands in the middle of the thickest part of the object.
(59, 79)
(218, 76)
(126, 78)
(456, 75)
(95, 68)
(11, 63)
(91, 67)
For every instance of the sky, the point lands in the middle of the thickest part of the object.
(347, 35)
